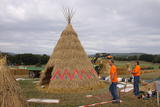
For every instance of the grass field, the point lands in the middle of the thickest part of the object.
(78, 99)
(156, 66)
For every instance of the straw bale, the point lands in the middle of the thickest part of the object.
(10, 91)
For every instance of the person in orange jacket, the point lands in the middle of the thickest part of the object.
(114, 80)
(136, 74)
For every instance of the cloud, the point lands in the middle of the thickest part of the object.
(34, 26)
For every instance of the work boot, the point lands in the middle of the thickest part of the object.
(115, 101)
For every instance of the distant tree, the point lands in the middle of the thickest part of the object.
(44, 59)
(120, 58)
(30, 59)
(27, 59)
(132, 58)
(147, 57)
(156, 59)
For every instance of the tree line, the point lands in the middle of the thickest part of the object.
(27, 59)
(143, 57)
(36, 59)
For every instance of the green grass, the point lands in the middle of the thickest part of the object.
(77, 99)
(144, 76)
(66, 99)
(142, 64)
(150, 76)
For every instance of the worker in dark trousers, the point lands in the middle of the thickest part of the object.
(136, 74)
(114, 79)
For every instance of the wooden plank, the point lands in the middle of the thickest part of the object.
(35, 100)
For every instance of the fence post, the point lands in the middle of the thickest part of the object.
(157, 98)
(158, 90)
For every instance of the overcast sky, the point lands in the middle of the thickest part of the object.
(34, 26)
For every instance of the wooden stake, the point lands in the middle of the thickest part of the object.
(157, 98)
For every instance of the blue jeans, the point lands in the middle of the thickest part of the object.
(136, 85)
(114, 91)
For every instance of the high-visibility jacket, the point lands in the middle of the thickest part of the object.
(136, 71)
(113, 74)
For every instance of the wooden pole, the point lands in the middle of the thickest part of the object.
(157, 98)
(119, 96)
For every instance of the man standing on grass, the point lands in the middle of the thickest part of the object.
(136, 74)
(114, 80)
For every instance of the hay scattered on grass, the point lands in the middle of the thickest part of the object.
(148, 86)
(100, 85)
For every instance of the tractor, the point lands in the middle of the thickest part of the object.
(100, 61)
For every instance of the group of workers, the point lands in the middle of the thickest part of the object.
(114, 80)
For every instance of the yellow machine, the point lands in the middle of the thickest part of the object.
(100, 63)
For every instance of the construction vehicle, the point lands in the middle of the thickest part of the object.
(100, 65)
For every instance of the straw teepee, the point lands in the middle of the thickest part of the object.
(69, 66)
(10, 91)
